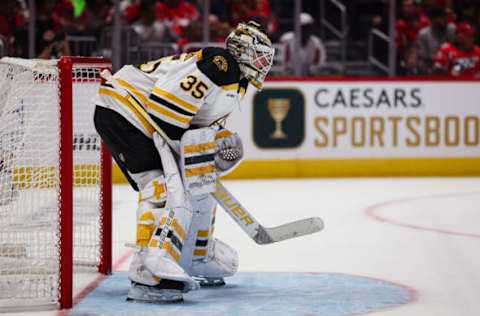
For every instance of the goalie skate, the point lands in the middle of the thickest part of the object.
(210, 282)
(153, 294)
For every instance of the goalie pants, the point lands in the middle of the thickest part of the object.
(132, 150)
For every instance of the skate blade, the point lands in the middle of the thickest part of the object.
(206, 282)
(147, 294)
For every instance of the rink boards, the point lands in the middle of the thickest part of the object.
(359, 127)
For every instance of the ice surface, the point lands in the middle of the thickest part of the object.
(408, 242)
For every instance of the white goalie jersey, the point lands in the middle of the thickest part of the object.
(191, 89)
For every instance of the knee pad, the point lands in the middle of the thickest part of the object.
(152, 189)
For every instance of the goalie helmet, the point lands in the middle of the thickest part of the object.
(253, 50)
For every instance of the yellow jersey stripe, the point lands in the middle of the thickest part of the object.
(117, 96)
(198, 148)
(173, 98)
(242, 91)
(134, 90)
(160, 109)
(230, 87)
(199, 54)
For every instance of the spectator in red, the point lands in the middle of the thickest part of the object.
(194, 32)
(430, 38)
(60, 12)
(258, 10)
(177, 15)
(408, 25)
(12, 21)
(130, 11)
(462, 58)
(411, 21)
(51, 39)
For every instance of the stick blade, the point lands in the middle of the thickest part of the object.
(295, 229)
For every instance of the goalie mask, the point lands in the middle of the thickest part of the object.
(253, 51)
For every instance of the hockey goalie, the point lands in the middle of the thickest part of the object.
(188, 96)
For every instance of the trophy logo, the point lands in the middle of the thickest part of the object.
(278, 108)
(278, 118)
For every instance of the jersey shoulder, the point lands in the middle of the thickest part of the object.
(219, 66)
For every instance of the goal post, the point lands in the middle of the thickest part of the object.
(55, 181)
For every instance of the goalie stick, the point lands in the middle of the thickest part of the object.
(260, 234)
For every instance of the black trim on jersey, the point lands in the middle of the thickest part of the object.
(199, 159)
(243, 83)
(169, 105)
(211, 70)
(172, 131)
(107, 85)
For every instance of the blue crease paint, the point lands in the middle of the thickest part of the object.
(256, 293)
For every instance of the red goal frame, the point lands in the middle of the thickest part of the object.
(66, 65)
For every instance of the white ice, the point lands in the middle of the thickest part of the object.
(427, 239)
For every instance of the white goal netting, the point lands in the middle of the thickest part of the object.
(30, 164)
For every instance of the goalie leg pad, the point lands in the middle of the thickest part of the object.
(206, 257)
(158, 258)
(162, 231)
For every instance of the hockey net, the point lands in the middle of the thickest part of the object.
(53, 172)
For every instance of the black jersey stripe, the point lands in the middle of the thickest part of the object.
(169, 105)
(105, 84)
(172, 131)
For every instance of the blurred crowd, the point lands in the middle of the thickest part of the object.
(433, 36)
(167, 21)
(54, 19)
(438, 37)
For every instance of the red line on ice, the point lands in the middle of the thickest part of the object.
(93, 285)
(372, 212)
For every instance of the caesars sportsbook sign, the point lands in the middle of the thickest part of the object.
(383, 126)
